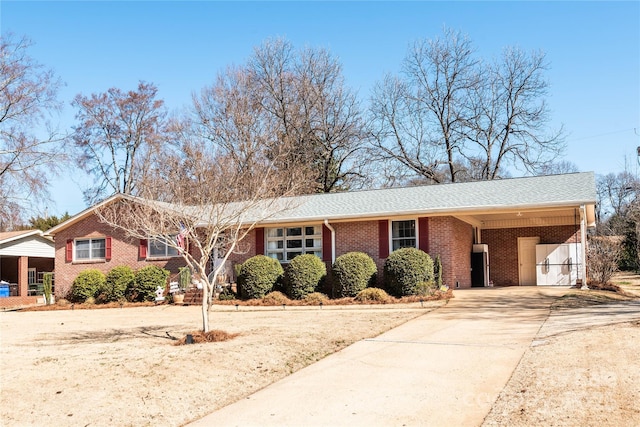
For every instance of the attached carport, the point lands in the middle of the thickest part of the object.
(24, 257)
(512, 236)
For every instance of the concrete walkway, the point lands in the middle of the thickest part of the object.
(445, 368)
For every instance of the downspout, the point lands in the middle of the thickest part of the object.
(333, 240)
(583, 239)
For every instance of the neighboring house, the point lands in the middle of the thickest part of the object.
(24, 257)
(493, 226)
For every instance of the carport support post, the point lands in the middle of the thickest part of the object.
(583, 239)
(23, 275)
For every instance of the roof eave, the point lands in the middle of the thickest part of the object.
(82, 215)
(442, 211)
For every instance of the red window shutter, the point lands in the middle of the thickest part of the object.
(423, 234)
(327, 249)
(383, 238)
(259, 241)
(142, 249)
(69, 251)
(107, 248)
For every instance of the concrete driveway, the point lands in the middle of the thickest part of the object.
(444, 368)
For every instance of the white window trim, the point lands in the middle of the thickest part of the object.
(150, 242)
(91, 258)
(390, 225)
(284, 238)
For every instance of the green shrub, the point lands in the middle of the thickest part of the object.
(425, 289)
(352, 272)
(227, 294)
(47, 287)
(147, 280)
(86, 285)
(437, 271)
(405, 268)
(372, 294)
(258, 275)
(304, 275)
(316, 298)
(118, 280)
(275, 298)
(184, 277)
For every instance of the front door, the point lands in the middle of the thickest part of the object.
(527, 260)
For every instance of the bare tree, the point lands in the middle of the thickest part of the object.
(30, 149)
(603, 255)
(302, 97)
(617, 193)
(116, 131)
(216, 185)
(507, 124)
(449, 116)
(418, 116)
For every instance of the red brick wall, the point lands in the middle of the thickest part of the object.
(452, 239)
(15, 302)
(361, 236)
(449, 237)
(124, 251)
(244, 250)
(503, 248)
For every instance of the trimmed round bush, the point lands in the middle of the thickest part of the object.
(304, 275)
(86, 285)
(352, 272)
(372, 295)
(147, 280)
(405, 269)
(257, 276)
(118, 280)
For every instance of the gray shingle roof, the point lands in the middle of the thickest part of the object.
(518, 193)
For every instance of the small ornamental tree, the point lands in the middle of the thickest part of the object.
(303, 275)
(147, 280)
(352, 272)
(86, 285)
(405, 269)
(257, 276)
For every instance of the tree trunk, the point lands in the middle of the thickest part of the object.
(205, 311)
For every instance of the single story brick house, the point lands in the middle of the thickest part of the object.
(486, 232)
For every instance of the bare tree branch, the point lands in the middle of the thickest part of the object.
(117, 131)
(31, 151)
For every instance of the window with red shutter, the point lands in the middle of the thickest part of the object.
(107, 249)
(142, 249)
(327, 249)
(383, 238)
(423, 234)
(259, 241)
(69, 251)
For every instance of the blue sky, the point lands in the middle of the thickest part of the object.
(593, 49)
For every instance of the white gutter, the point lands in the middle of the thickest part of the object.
(333, 240)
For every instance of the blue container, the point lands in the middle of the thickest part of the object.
(4, 291)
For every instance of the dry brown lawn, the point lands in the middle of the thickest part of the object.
(584, 376)
(119, 367)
